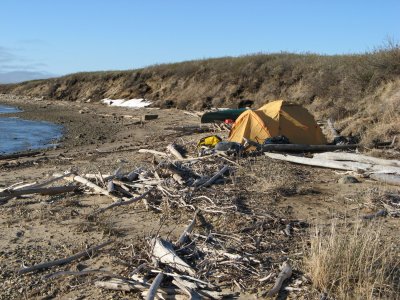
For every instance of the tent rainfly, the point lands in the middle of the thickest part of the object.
(277, 118)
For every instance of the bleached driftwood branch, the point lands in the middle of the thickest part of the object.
(154, 286)
(121, 285)
(46, 265)
(91, 185)
(121, 203)
(215, 176)
(43, 191)
(182, 239)
(163, 252)
(153, 152)
(172, 149)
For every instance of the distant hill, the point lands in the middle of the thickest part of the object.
(360, 92)
(21, 76)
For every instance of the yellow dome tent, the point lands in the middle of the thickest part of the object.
(277, 118)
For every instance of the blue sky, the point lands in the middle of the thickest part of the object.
(61, 36)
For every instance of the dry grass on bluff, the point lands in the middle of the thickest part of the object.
(361, 92)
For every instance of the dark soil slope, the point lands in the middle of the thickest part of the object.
(360, 92)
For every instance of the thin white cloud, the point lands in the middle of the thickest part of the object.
(11, 60)
(6, 55)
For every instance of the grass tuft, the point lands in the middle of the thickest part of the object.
(355, 262)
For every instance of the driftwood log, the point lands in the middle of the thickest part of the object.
(339, 165)
(348, 166)
(305, 148)
(22, 186)
(46, 265)
(386, 178)
(345, 156)
(55, 190)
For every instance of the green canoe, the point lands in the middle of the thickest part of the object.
(221, 115)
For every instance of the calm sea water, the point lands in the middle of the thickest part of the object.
(5, 109)
(20, 135)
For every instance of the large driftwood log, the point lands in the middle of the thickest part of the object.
(348, 166)
(163, 252)
(305, 148)
(386, 178)
(55, 190)
(46, 265)
(345, 156)
(286, 272)
(172, 149)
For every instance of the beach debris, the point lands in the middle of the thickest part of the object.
(148, 117)
(86, 253)
(388, 172)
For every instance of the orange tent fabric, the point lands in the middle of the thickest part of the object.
(277, 118)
